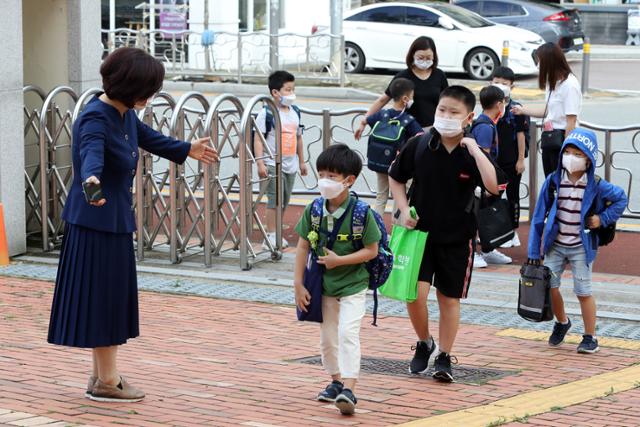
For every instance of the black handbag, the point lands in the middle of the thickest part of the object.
(534, 294)
(552, 139)
(495, 225)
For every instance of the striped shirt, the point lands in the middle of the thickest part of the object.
(569, 210)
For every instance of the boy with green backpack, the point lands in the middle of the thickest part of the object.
(390, 129)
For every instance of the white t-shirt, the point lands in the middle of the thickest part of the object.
(290, 131)
(565, 100)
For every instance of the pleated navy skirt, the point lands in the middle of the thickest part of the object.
(95, 303)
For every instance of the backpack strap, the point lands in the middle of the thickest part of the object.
(316, 213)
(270, 123)
(358, 223)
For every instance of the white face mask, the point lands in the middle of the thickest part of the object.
(287, 100)
(330, 189)
(448, 127)
(409, 103)
(506, 89)
(423, 64)
(574, 163)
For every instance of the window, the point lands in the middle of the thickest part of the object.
(474, 6)
(421, 17)
(386, 15)
(461, 15)
(496, 9)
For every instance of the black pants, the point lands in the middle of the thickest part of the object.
(513, 192)
(550, 156)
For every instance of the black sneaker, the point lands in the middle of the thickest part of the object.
(346, 402)
(588, 345)
(442, 367)
(331, 392)
(559, 332)
(424, 353)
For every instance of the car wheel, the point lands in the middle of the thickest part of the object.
(481, 63)
(353, 58)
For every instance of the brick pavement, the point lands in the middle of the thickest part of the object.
(205, 361)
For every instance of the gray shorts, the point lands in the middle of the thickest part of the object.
(288, 179)
(558, 258)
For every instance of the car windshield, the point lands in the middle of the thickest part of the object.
(463, 16)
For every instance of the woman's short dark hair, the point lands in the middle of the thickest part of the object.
(130, 75)
(422, 43)
(339, 158)
(553, 65)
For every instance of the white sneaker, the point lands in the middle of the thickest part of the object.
(516, 240)
(495, 257)
(478, 261)
(507, 244)
(272, 239)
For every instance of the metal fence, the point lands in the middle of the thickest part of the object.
(236, 55)
(200, 211)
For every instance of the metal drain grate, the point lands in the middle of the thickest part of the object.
(462, 374)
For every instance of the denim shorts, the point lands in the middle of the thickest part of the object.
(558, 258)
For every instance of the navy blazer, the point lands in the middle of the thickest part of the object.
(105, 145)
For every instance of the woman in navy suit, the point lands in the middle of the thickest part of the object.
(95, 304)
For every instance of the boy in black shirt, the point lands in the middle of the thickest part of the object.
(512, 146)
(445, 168)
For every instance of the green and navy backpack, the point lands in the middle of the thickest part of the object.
(379, 267)
(387, 136)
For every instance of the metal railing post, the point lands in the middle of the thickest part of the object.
(239, 57)
(326, 128)
(342, 59)
(533, 169)
(586, 62)
(505, 54)
(607, 155)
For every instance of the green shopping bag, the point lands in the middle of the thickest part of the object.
(408, 248)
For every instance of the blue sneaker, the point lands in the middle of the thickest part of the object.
(346, 402)
(331, 392)
(559, 332)
(588, 345)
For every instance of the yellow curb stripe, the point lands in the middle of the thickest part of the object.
(539, 401)
(571, 338)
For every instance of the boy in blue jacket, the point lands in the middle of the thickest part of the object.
(572, 205)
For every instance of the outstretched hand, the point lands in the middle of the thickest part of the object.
(202, 151)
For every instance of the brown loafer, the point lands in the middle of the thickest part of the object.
(90, 385)
(123, 392)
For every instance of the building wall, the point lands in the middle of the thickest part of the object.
(45, 43)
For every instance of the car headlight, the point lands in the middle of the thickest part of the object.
(518, 46)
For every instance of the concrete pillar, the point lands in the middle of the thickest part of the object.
(84, 46)
(12, 188)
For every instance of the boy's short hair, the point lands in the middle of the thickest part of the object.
(490, 96)
(277, 79)
(400, 87)
(462, 94)
(505, 73)
(339, 158)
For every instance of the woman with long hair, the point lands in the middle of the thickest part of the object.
(563, 103)
(95, 302)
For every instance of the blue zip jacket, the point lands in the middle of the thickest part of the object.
(601, 191)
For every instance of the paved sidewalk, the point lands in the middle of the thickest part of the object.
(209, 361)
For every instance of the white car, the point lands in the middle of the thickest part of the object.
(379, 36)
